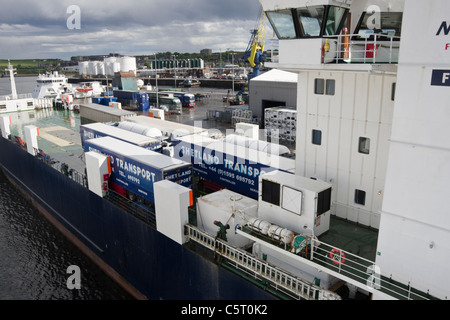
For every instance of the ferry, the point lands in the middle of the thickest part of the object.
(357, 214)
(51, 85)
(20, 102)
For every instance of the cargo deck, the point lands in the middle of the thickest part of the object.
(60, 140)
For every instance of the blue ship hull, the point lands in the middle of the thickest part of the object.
(147, 263)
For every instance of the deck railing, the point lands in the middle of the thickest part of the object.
(279, 279)
(366, 48)
(359, 269)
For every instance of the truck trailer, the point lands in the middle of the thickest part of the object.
(135, 169)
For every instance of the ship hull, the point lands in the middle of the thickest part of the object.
(145, 262)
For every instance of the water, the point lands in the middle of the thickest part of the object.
(34, 256)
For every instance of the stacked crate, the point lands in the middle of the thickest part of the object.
(280, 123)
(241, 115)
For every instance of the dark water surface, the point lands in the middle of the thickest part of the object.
(34, 256)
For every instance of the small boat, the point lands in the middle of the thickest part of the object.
(189, 83)
(88, 90)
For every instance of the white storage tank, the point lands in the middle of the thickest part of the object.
(100, 68)
(128, 64)
(111, 66)
(83, 67)
(92, 70)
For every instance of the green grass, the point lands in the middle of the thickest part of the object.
(29, 63)
(28, 66)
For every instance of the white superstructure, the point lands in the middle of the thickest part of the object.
(20, 102)
(373, 121)
(51, 86)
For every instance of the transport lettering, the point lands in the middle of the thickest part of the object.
(242, 168)
(134, 169)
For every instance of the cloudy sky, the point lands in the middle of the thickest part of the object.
(39, 29)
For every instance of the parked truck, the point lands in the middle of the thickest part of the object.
(137, 99)
(228, 165)
(135, 169)
(99, 130)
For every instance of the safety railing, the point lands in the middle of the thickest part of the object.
(362, 48)
(19, 96)
(361, 270)
(279, 279)
(136, 209)
(57, 165)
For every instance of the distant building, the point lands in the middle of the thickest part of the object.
(206, 51)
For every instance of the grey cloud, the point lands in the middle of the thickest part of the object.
(129, 27)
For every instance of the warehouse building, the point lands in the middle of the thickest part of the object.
(274, 88)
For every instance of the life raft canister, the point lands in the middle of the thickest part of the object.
(337, 256)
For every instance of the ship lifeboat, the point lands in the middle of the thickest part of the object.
(84, 89)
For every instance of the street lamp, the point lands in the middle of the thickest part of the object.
(232, 68)
(175, 69)
(156, 79)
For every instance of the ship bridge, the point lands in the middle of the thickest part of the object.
(330, 34)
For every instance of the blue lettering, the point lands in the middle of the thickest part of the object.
(444, 28)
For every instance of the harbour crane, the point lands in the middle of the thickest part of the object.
(254, 54)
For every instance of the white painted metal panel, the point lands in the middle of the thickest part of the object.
(348, 97)
(361, 96)
(304, 51)
(292, 200)
(172, 202)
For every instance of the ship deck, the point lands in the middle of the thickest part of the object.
(60, 139)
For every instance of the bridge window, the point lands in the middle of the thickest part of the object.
(307, 22)
(334, 21)
(311, 20)
(386, 23)
(282, 23)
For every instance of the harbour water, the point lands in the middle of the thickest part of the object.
(34, 256)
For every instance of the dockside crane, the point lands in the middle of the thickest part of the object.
(254, 54)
